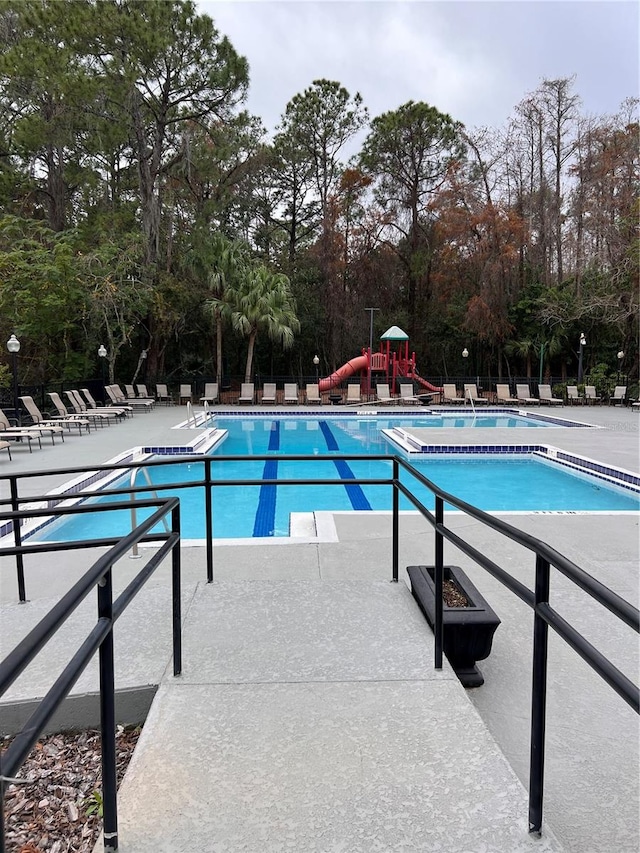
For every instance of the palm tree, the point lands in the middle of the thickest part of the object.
(227, 271)
(264, 303)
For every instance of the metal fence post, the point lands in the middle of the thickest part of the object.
(538, 697)
(108, 719)
(438, 579)
(208, 513)
(396, 521)
(17, 538)
(176, 593)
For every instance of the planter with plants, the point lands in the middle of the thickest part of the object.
(469, 622)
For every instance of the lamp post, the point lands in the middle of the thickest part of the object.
(370, 310)
(13, 345)
(316, 362)
(620, 357)
(102, 354)
(583, 343)
(465, 355)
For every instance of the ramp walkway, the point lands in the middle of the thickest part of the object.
(309, 717)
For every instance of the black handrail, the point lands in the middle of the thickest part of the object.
(99, 639)
(537, 599)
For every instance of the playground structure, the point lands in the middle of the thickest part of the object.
(390, 364)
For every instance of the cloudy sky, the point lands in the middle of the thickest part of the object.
(474, 59)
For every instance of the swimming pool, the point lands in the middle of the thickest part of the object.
(525, 482)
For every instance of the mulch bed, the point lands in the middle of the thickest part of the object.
(452, 596)
(57, 809)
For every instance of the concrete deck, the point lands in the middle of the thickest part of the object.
(309, 716)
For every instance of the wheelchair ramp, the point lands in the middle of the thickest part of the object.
(309, 718)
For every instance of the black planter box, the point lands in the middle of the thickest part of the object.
(467, 631)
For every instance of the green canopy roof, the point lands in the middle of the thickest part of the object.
(394, 334)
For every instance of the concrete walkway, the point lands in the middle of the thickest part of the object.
(317, 705)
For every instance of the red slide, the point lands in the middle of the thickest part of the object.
(426, 384)
(354, 366)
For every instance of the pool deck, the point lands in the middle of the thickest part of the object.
(309, 716)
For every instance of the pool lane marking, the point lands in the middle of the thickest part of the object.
(265, 520)
(354, 492)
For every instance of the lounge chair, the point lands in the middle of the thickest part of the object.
(36, 429)
(503, 395)
(407, 394)
(450, 394)
(163, 396)
(544, 391)
(120, 410)
(353, 393)
(38, 418)
(64, 414)
(573, 398)
(269, 392)
(312, 394)
(18, 434)
(291, 393)
(185, 394)
(138, 399)
(5, 445)
(210, 393)
(136, 402)
(471, 393)
(618, 395)
(523, 393)
(590, 395)
(383, 394)
(80, 408)
(143, 393)
(247, 393)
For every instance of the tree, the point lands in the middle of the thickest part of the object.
(264, 303)
(408, 153)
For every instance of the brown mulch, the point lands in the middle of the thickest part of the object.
(56, 809)
(452, 596)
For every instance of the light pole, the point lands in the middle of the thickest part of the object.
(102, 354)
(583, 343)
(370, 310)
(620, 357)
(316, 362)
(13, 345)
(465, 355)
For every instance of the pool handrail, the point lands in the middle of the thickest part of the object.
(99, 639)
(537, 599)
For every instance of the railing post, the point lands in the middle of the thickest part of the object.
(176, 593)
(395, 545)
(17, 538)
(439, 576)
(208, 516)
(108, 719)
(538, 698)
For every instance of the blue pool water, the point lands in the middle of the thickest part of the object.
(523, 483)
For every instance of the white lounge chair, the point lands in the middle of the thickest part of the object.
(618, 395)
(590, 395)
(65, 415)
(5, 445)
(503, 395)
(291, 393)
(471, 393)
(383, 395)
(247, 393)
(573, 398)
(269, 392)
(353, 393)
(544, 392)
(185, 394)
(120, 410)
(523, 394)
(38, 418)
(407, 395)
(210, 393)
(450, 394)
(80, 408)
(6, 427)
(312, 394)
(162, 395)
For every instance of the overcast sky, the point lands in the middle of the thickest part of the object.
(473, 59)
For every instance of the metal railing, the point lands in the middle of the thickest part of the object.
(537, 599)
(99, 638)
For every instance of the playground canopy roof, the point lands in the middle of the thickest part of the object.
(394, 334)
